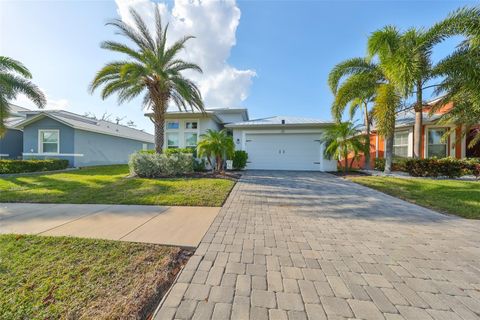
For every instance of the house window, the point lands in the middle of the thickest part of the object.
(436, 146)
(173, 125)
(172, 140)
(400, 144)
(49, 141)
(144, 146)
(190, 125)
(190, 139)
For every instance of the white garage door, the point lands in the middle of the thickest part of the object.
(286, 151)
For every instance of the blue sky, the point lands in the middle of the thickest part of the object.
(273, 59)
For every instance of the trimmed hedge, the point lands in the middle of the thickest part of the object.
(23, 166)
(398, 164)
(445, 167)
(240, 158)
(148, 165)
(433, 167)
(171, 151)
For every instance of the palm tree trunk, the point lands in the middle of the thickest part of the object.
(367, 143)
(417, 132)
(160, 102)
(388, 153)
(159, 135)
(219, 163)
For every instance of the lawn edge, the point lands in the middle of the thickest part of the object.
(438, 210)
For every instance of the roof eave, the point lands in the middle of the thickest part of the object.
(37, 117)
(188, 115)
(21, 125)
(280, 126)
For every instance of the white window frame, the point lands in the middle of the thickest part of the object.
(427, 144)
(178, 140)
(185, 139)
(402, 145)
(144, 146)
(181, 131)
(190, 121)
(172, 121)
(40, 142)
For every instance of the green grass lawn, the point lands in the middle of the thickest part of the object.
(109, 185)
(461, 198)
(72, 278)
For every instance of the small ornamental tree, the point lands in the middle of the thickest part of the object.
(217, 146)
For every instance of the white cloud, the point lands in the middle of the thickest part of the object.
(52, 104)
(214, 24)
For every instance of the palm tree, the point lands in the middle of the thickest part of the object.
(415, 69)
(358, 90)
(387, 45)
(14, 80)
(218, 145)
(461, 82)
(342, 139)
(413, 58)
(151, 69)
(460, 71)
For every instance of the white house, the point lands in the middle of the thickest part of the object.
(274, 143)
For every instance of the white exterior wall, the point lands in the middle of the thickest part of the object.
(203, 124)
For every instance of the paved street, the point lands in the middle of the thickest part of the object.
(178, 226)
(292, 245)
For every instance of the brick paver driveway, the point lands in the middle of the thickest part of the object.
(291, 245)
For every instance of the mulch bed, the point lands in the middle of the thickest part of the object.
(350, 174)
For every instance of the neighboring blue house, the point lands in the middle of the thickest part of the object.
(11, 144)
(81, 140)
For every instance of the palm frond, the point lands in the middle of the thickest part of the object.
(346, 68)
(8, 64)
(386, 103)
(121, 48)
(175, 48)
(142, 29)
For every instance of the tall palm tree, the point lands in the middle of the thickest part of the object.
(218, 145)
(386, 45)
(413, 57)
(341, 140)
(461, 82)
(151, 68)
(14, 80)
(358, 89)
(460, 71)
(415, 69)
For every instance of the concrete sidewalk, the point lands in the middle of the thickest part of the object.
(178, 226)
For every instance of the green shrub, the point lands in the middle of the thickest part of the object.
(379, 164)
(240, 158)
(22, 166)
(170, 151)
(147, 151)
(398, 164)
(199, 165)
(155, 165)
(472, 166)
(432, 167)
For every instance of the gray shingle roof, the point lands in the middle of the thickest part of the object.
(406, 118)
(16, 116)
(280, 120)
(84, 123)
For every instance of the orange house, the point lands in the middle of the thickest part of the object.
(432, 144)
